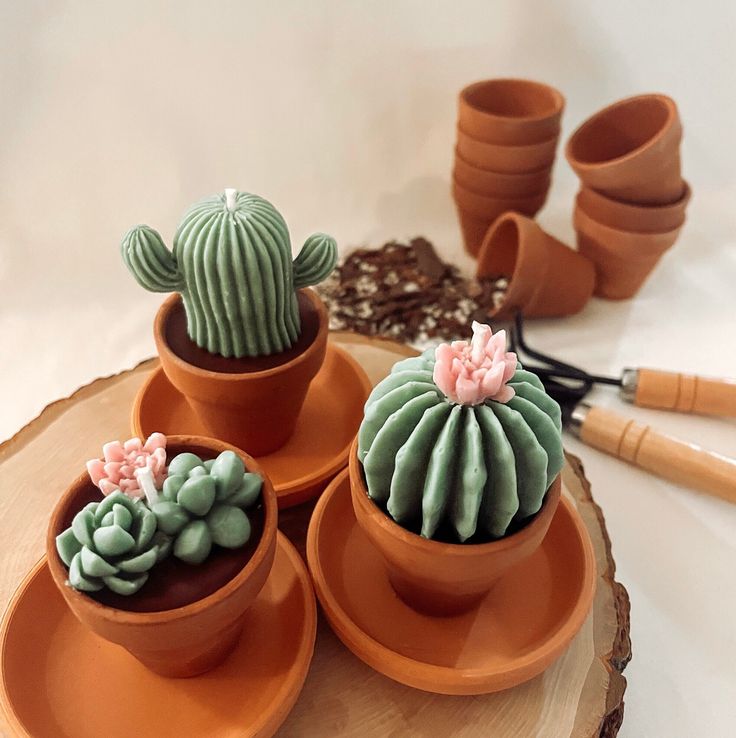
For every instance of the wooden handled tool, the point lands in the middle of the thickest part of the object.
(670, 458)
(684, 393)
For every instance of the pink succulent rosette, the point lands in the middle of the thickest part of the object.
(121, 461)
(471, 372)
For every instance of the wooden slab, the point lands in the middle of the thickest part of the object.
(580, 695)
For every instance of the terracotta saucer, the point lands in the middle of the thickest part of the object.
(60, 679)
(324, 431)
(521, 627)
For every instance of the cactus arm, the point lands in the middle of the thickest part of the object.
(315, 261)
(149, 261)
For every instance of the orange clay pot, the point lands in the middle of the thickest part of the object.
(631, 151)
(623, 260)
(497, 184)
(507, 159)
(256, 411)
(511, 112)
(546, 278)
(188, 640)
(444, 578)
(635, 218)
(477, 212)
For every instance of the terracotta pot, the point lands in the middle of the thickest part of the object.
(623, 260)
(473, 230)
(444, 578)
(512, 112)
(631, 151)
(497, 184)
(477, 212)
(546, 278)
(636, 218)
(256, 411)
(183, 641)
(507, 159)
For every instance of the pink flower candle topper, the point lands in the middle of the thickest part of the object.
(471, 372)
(121, 461)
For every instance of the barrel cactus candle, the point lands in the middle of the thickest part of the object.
(461, 439)
(232, 264)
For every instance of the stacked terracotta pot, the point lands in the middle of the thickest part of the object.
(507, 135)
(631, 205)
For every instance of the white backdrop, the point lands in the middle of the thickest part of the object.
(342, 114)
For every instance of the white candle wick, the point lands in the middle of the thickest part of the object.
(145, 480)
(230, 198)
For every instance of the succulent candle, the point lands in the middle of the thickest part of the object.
(461, 437)
(113, 544)
(203, 504)
(184, 510)
(232, 264)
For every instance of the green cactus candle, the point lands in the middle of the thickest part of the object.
(461, 437)
(232, 264)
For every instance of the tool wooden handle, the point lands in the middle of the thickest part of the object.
(685, 393)
(667, 457)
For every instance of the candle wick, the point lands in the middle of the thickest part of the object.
(231, 195)
(146, 483)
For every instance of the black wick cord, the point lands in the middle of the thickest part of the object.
(555, 368)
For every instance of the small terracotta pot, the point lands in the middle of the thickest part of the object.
(477, 212)
(183, 641)
(623, 260)
(497, 184)
(256, 411)
(507, 159)
(444, 578)
(546, 278)
(635, 218)
(473, 229)
(630, 151)
(511, 112)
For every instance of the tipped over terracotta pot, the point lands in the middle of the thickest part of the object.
(623, 260)
(498, 184)
(546, 278)
(511, 112)
(630, 151)
(186, 640)
(635, 218)
(444, 578)
(507, 159)
(477, 212)
(251, 403)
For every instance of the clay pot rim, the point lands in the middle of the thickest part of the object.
(634, 208)
(635, 234)
(159, 332)
(521, 148)
(508, 176)
(585, 167)
(378, 517)
(557, 97)
(59, 572)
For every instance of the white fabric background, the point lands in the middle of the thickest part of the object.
(342, 114)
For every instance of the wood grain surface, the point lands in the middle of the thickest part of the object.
(580, 695)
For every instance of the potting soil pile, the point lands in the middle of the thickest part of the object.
(407, 293)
